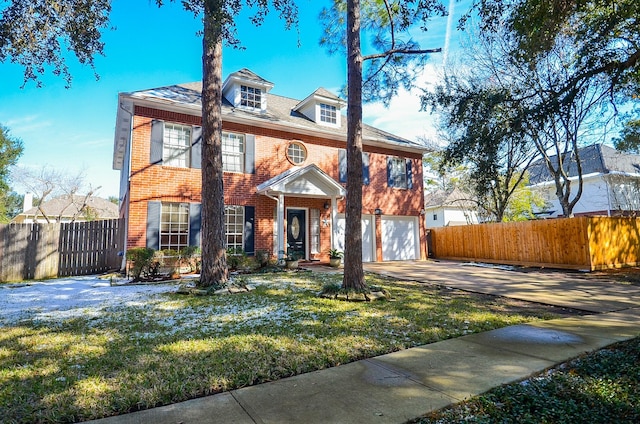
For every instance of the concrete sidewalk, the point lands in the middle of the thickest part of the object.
(403, 385)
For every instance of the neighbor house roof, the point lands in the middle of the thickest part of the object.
(450, 198)
(281, 114)
(67, 206)
(595, 159)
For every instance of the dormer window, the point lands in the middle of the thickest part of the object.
(328, 114)
(322, 107)
(250, 97)
(246, 90)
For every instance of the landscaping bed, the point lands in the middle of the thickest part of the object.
(163, 348)
(599, 387)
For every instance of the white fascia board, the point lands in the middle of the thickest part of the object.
(624, 174)
(122, 134)
(591, 176)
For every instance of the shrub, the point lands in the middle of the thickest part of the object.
(142, 261)
(263, 257)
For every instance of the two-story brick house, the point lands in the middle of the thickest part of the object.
(285, 173)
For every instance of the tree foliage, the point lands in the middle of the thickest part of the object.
(40, 33)
(10, 151)
(629, 140)
(47, 183)
(604, 31)
(10, 206)
(392, 58)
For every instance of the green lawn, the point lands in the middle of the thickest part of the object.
(602, 387)
(173, 347)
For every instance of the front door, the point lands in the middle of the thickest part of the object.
(296, 234)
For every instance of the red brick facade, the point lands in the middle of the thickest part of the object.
(150, 182)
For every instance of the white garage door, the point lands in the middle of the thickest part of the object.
(400, 238)
(368, 238)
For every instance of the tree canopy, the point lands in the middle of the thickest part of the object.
(41, 33)
(605, 31)
(10, 151)
(391, 55)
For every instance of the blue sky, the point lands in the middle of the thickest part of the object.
(72, 129)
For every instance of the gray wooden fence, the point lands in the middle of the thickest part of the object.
(38, 251)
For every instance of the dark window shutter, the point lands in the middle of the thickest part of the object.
(365, 168)
(409, 174)
(390, 181)
(157, 139)
(153, 224)
(195, 224)
(249, 154)
(196, 147)
(342, 165)
(249, 230)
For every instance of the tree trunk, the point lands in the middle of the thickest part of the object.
(214, 271)
(353, 273)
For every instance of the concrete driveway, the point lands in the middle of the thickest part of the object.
(576, 290)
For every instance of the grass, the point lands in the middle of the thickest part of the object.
(601, 387)
(172, 348)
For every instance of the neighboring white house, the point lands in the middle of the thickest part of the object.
(611, 182)
(67, 208)
(447, 208)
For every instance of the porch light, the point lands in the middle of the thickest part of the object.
(378, 211)
(327, 205)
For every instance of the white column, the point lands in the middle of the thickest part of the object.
(281, 252)
(334, 222)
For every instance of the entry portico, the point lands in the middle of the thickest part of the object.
(308, 181)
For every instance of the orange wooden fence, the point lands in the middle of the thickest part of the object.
(588, 243)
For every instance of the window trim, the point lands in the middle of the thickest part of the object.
(314, 231)
(328, 114)
(397, 179)
(174, 232)
(238, 211)
(251, 97)
(241, 155)
(185, 149)
(303, 148)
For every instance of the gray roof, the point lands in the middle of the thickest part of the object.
(66, 206)
(249, 75)
(452, 198)
(280, 110)
(595, 159)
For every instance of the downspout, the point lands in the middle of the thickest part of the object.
(127, 194)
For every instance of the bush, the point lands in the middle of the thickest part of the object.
(237, 259)
(263, 257)
(142, 262)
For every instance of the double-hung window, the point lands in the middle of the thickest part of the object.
(328, 114)
(399, 172)
(314, 226)
(233, 227)
(174, 226)
(176, 145)
(233, 149)
(250, 97)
